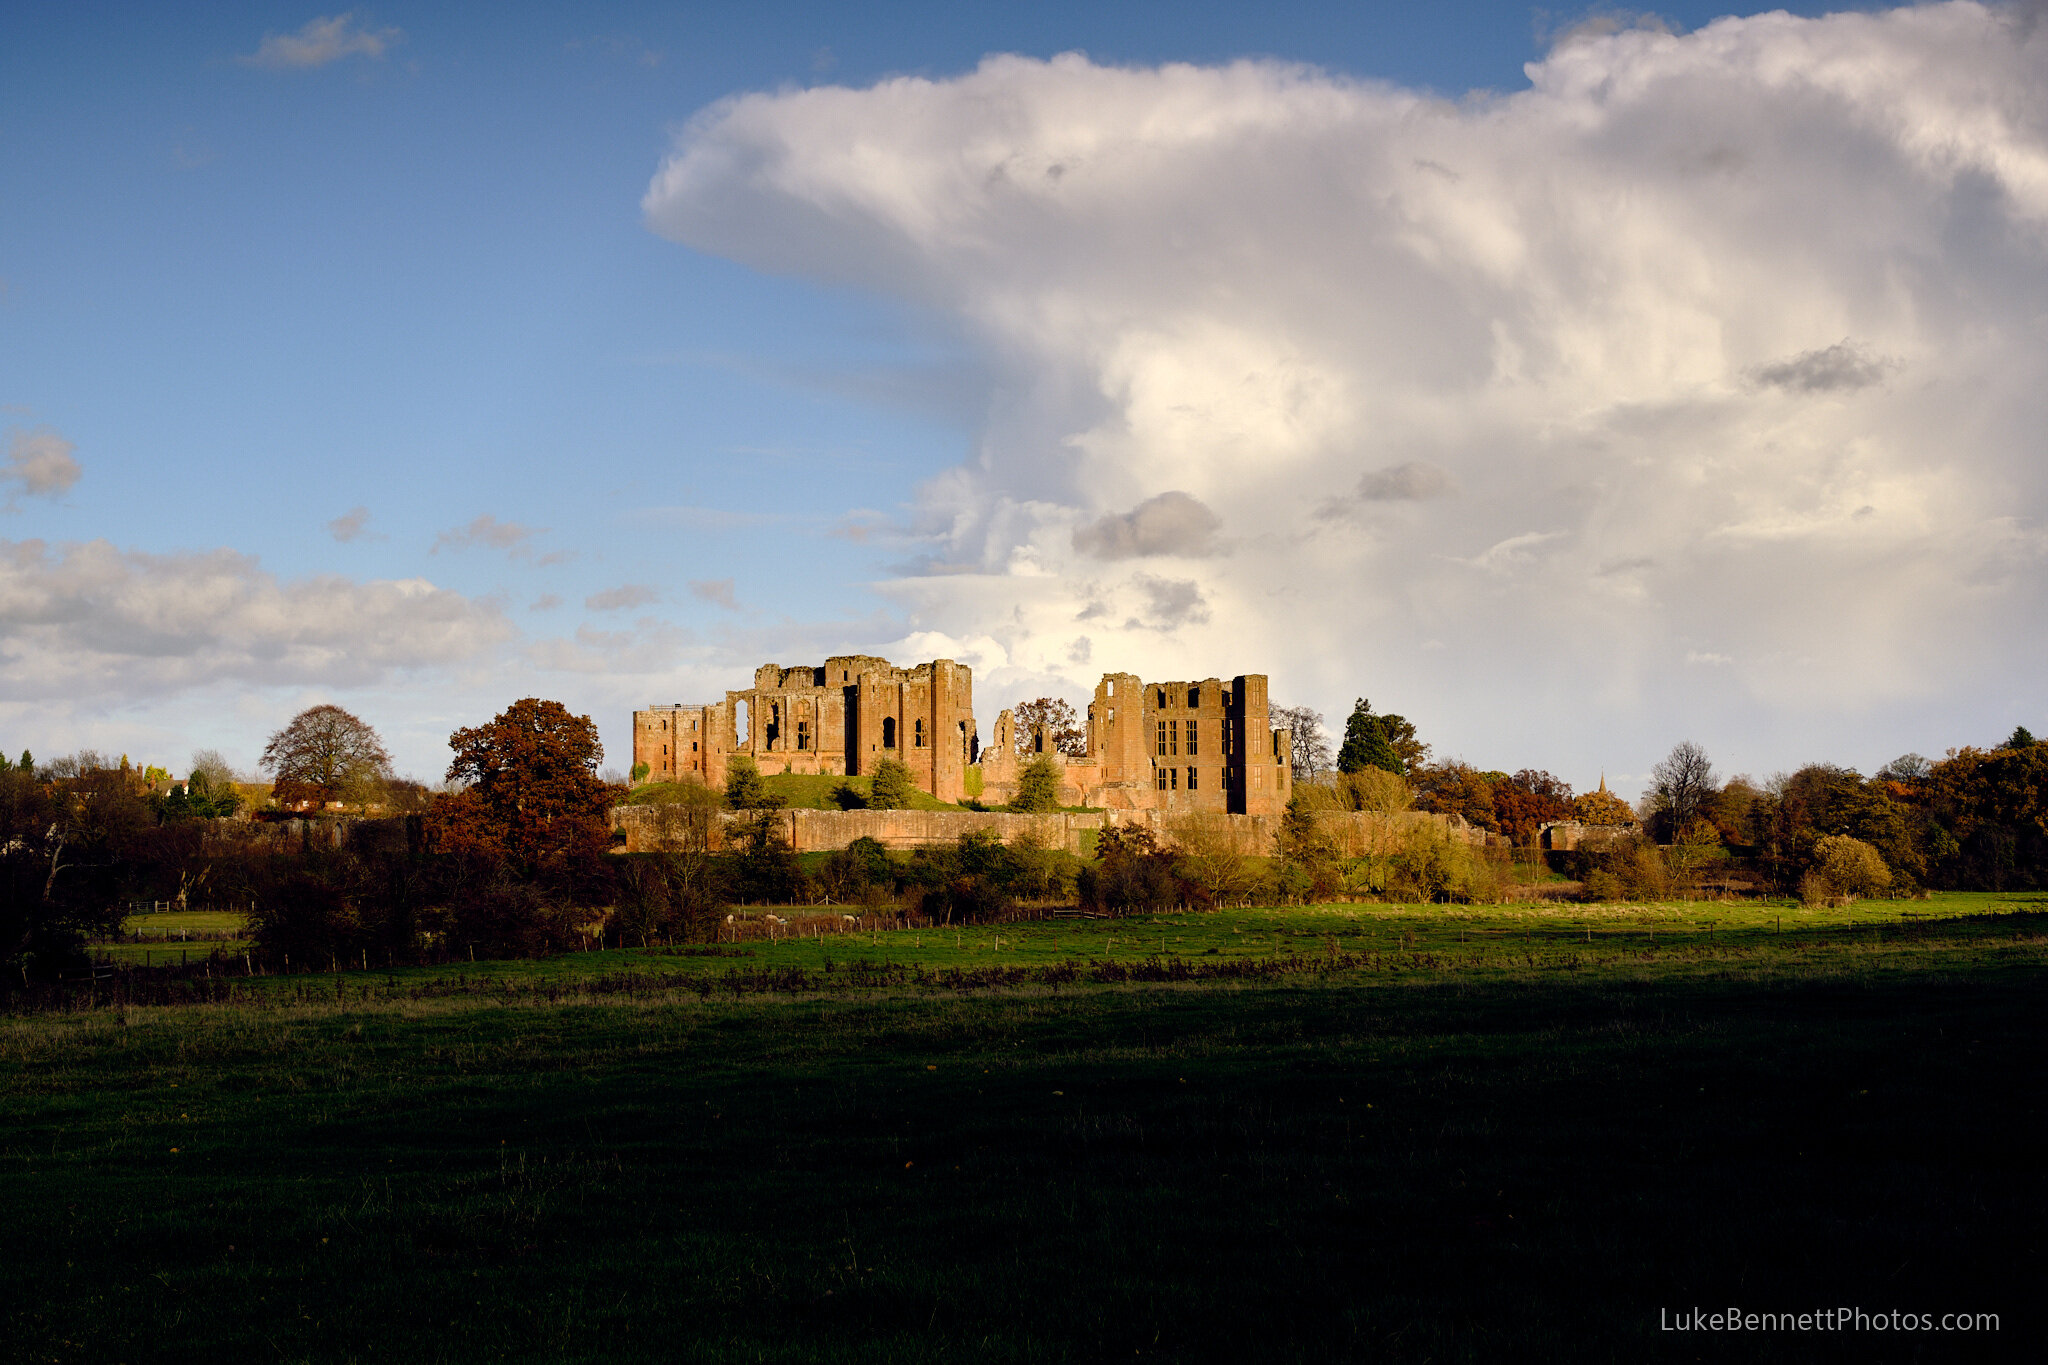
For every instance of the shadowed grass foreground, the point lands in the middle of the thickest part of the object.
(1403, 1164)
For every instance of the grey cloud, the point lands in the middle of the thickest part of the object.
(1174, 523)
(716, 591)
(547, 601)
(1413, 481)
(88, 617)
(350, 525)
(1171, 602)
(1842, 367)
(40, 463)
(320, 41)
(493, 534)
(619, 598)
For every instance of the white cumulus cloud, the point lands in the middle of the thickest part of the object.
(90, 620)
(1728, 344)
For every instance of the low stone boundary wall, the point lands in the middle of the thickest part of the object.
(819, 831)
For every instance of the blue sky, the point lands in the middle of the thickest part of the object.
(317, 302)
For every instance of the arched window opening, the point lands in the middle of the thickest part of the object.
(918, 732)
(888, 732)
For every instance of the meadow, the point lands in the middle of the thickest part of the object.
(1342, 1132)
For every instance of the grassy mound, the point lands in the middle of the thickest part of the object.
(799, 791)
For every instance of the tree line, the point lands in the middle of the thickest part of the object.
(1976, 819)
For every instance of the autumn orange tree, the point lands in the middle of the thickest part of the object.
(326, 754)
(532, 797)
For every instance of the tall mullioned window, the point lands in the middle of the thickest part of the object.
(1191, 743)
(1160, 750)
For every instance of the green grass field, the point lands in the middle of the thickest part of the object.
(170, 937)
(1422, 1136)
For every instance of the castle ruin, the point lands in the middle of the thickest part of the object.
(1181, 746)
(1176, 746)
(841, 718)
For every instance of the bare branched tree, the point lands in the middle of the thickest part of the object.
(1064, 732)
(1682, 785)
(1311, 745)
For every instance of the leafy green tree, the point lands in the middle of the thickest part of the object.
(198, 798)
(638, 773)
(765, 869)
(2020, 738)
(1372, 741)
(746, 789)
(1311, 863)
(892, 787)
(1038, 786)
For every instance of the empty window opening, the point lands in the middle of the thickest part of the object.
(1194, 697)
(1191, 742)
(1191, 779)
(1162, 699)
(917, 733)
(888, 732)
(1159, 779)
(1173, 779)
(803, 734)
(1159, 741)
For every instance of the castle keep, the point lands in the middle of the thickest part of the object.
(1181, 746)
(840, 718)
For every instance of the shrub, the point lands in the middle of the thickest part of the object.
(1132, 874)
(892, 788)
(1038, 786)
(745, 789)
(1848, 867)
